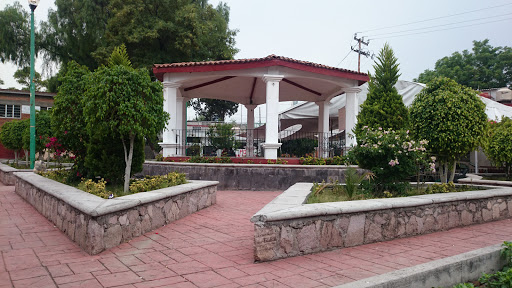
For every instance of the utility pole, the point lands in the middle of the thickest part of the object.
(359, 51)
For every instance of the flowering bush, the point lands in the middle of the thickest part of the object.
(392, 156)
(55, 147)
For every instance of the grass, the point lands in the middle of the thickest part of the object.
(498, 178)
(337, 192)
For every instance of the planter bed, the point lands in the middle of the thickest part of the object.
(97, 224)
(286, 227)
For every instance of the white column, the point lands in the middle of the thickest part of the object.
(272, 126)
(351, 111)
(170, 143)
(181, 124)
(323, 128)
(250, 130)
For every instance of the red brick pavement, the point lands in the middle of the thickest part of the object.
(211, 248)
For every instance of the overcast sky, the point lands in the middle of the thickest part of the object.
(322, 31)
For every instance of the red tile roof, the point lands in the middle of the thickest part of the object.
(160, 69)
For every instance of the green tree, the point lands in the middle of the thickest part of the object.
(22, 76)
(222, 136)
(213, 109)
(452, 118)
(483, 67)
(15, 35)
(73, 31)
(67, 116)
(383, 107)
(43, 132)
(123, 102)
(496, 144)
(11, 136)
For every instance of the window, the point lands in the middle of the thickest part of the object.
(45, 108)
(10, 111)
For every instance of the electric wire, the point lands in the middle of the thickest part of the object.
(441, 25)
(436, 18)
(425, 32)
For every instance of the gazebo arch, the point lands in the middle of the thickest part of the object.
(252, 82)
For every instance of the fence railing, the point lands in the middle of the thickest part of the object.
(237, 142)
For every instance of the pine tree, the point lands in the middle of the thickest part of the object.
(383, 107)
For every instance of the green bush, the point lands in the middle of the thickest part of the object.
(312, 161)
(193, 150)
(299, 147)
(96, 188)
(391, 155)
(60, 175)
(497, 146)
(157, 182)
(202, 159)
(441, 188)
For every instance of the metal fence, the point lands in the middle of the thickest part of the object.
(236, 142)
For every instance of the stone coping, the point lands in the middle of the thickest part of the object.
(445, 272)
(477, 179)
(96, 206)
(245, 165)
(7, 168)
(290, 204)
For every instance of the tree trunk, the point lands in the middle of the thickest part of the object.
(128, 157)
(26, 156)
(452, 176)
(16, 157)
(443, 171)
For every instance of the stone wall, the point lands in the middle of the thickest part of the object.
(7, 176)
(309, 228)
(261, 177)
(97, 224)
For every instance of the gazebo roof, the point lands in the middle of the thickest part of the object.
(242, 80)
(270, 60)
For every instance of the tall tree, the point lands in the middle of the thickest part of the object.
(168, 31)
(22, 76)
(124, 103)
(383, 107)
(74, 30)
(15, 35)
(452, 118)
(483, 67)
(213, 109)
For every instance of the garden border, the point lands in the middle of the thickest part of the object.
(286, 227)
(97, 224)
(445, 272)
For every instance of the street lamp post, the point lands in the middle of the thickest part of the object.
(33, 4)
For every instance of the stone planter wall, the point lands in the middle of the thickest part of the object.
(97, 224)
(7, 176)
(262, 177)
(286, 227)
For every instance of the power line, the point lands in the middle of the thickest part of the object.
(436, 18)
(464, 26)
(344, 57)
(441, 25)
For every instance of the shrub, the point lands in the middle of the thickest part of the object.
(199, 159)
(96, 188)
(391, 155)
(157, 182)
(193, 150)
(497, 144)
(441, 188)
(312, 161)
(60, 175)
(299, 147)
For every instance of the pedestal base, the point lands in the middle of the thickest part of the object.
(271, 150)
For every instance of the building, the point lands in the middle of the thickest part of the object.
(15, 105)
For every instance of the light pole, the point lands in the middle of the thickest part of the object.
(33, 6)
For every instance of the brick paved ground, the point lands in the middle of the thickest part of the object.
(212, 248)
